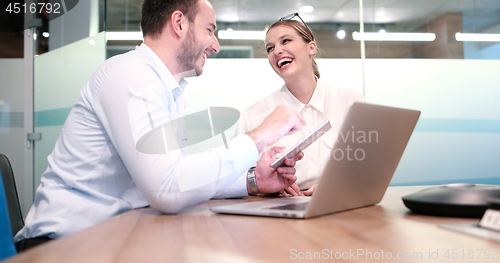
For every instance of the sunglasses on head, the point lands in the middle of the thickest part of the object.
(292, 16)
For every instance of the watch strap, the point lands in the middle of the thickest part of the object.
(252, 182)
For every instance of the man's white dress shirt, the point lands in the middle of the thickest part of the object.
(327, 103)
(95, 171)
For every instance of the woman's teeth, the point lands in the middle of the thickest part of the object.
(284, 61)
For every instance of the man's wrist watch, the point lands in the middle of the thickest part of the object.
(252, 182)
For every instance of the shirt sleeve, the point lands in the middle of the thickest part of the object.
(243, 125)
(234, 190)
(133, 100)
(356, 97)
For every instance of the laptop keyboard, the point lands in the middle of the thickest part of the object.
(297, 207)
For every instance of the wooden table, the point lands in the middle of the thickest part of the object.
(198, 235)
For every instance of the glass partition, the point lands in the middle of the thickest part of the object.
(458, 134)
(59, 76)
(12, 137)
(11, 35)
(336, 23)
(453, 27)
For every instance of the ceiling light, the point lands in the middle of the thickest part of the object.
(126, 35)
(341, 34)
(242, 35)
(477, 37)
(228, 17)
(306, 9)
(46, 34)
(382, 29)
(394, 36)
(34, 36)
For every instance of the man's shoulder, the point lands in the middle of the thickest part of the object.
(128, 68)
(128, 65)
(132, 59)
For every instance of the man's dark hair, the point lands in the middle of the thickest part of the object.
(156, 12)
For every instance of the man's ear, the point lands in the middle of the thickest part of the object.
(178, 21)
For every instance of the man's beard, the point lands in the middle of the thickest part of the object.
(190, 53)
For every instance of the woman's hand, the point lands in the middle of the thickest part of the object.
(310, 191)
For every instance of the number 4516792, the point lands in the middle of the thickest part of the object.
(33, 8)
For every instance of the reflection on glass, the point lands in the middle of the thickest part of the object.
(334, 22)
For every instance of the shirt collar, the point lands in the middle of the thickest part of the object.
(317, 99)
(290, 100)
(167, 78)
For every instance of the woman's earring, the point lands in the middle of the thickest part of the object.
(311, 52)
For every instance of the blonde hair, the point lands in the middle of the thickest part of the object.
(304, 31)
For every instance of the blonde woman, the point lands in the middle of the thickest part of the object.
(291, 48)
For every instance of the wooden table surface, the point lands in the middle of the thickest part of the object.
(385, 230)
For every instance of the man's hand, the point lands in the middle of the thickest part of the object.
(276, 181)
(293, 190)
(281, 122)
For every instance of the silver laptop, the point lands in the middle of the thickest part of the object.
(361, 165)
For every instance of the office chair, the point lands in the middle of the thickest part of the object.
(7, 248)
(16, 217)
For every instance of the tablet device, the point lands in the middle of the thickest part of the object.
(302, 144)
